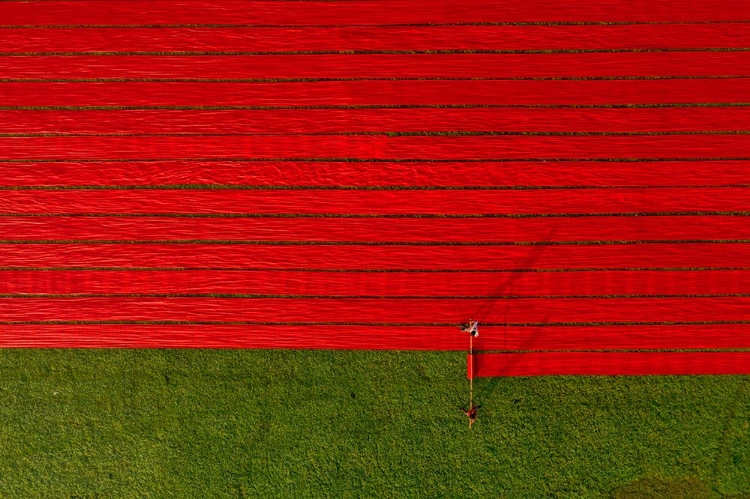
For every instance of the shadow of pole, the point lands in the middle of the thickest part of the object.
(498, 295)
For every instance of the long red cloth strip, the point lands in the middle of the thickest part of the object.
(288, 121)
(534, 65)
(503, 37)
(611, 363)
(370, 202)
(377, 92)
(626, 337)
(367, 337)
(467, 230)
(437, 284)
(377, 147)
(362, 12)
(374, 174)
(350, 257)
(222, 336)
(385, 310)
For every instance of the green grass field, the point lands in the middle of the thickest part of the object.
(165, 423)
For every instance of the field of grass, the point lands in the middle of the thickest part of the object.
(198, 423)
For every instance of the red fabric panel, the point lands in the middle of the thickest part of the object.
(369, 174)
(466, 230)
(231, 336)
(630, 337)
(270, 146)
(377, 147)
(282, 121)
(367, 337)
(470, 366)
(376, 92)
(362, 12)
(368, 202)
(382, 310)
(437, 284)
(379, 65)
(515, 147)
(612, 363)
(503, 37)
(218, 256)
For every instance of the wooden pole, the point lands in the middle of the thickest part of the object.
(471, 374)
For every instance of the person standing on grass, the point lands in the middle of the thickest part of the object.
(472, 414)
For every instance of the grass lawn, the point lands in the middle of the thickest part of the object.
(198, 423)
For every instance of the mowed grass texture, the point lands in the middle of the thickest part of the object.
(255, 423)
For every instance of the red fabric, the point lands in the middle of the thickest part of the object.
(621, 337)
(377, 147)
(380, 230)
(612, 363)
(354, 257)
(372, 202)
(379, 310)
(374, 174)
(230, 336)
(535, 65)
(66, 335)
(361, 12)
(471, 37)
(499, 285)
(375, 92)
(280, 121)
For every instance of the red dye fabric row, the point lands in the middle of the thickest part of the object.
(361, 12)
(378, 38)
(373, 337)
(411, 311)
(490, 285)
(379, 203)
(285, 121)
(383, 174)
(376, 257)
(379, 230)
(429, 147)
(611, 363)
(554, 92)
(291, 66)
